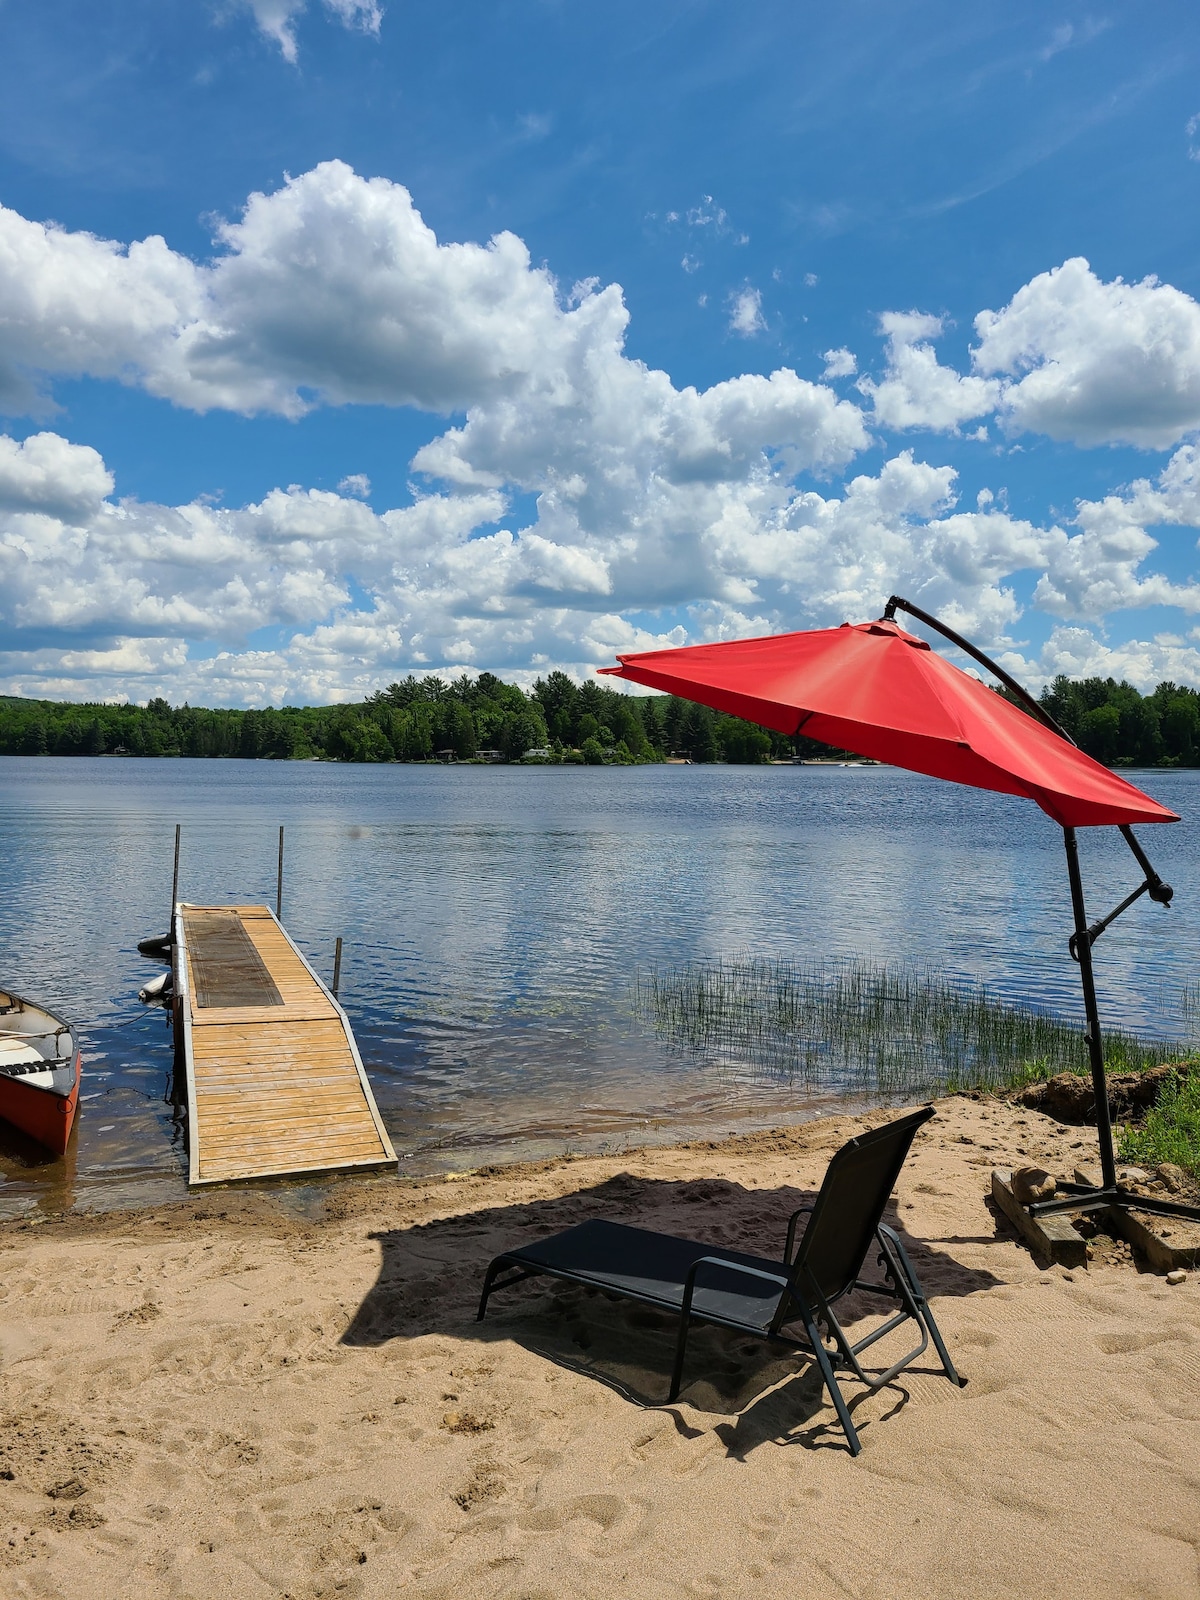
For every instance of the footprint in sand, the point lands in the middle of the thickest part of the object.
(605, 1510)
(977, 1338)
(1121, 1342)
(485, 1484)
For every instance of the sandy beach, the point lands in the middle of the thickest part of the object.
(232, 1397)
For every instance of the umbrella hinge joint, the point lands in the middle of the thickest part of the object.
(1155, 888)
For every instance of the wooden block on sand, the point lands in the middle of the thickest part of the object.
(1051, 1238)
(1165, 1242)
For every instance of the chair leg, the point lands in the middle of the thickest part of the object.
(825, 1366)
(488, 1280)
(680, 1352)
(918, 1294)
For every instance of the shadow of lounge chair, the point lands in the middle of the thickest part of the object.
(757, 1295)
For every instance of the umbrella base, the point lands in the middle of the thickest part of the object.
(1126, 1210)
(1085, 1197)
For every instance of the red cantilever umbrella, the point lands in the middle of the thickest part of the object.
(881, 692)
(874, 689)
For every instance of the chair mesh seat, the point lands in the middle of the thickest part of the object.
(653, 1267)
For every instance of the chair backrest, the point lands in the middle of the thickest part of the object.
(849, 1208)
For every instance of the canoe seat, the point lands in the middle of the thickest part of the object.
(17, 1053)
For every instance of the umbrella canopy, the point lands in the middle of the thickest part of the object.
(873, 688)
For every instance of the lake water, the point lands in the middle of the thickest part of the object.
(495, 919)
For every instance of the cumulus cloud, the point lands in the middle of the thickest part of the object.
(276, 19)
(916, 391)
(49, 476)
(101, 595)
(331, 288)
(1096, 363)
(104, 596)
(1081, 653)
(1070, 356)
(1100, 569)
(1084, 652)
(719, 505)
(72, 305)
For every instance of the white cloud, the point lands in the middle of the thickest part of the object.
(46, 475)
(707, 215)
(1097, 571)
(1070, 357)
(73, 305)
(107, 602)
(745, 312)
(1100, 569)
(1082, 653)
(1096, 363)
(333, 290)
(276, 19)
(331, 287)
(916, 390)
(123, 591)
(649, 497)
(840, 363)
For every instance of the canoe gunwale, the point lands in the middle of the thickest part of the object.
(18, 1005)
(28, 1105)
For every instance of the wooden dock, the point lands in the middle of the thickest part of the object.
(275, 1083)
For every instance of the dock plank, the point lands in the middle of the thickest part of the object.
(273, 1088)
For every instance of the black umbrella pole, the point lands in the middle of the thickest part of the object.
(1083, 953)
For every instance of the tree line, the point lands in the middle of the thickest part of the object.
(420, 719)
(428, 719)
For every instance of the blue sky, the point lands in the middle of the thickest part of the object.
(723, 374)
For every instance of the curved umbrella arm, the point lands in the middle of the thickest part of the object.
(1157, 889)
(1154, 886)
(1034, 707)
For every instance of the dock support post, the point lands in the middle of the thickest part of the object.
(174, 888)
(279, 879)
(337, 965)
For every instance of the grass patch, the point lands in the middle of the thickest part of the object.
(1171, 1130)
(870, 1028)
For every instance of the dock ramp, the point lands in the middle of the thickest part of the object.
(275, 1083)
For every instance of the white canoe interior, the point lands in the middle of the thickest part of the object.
(35, 1046)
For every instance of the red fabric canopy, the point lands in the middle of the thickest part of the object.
(879, 691)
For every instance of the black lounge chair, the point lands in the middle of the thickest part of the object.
(753, 1294)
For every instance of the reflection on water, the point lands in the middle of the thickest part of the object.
(496, 919)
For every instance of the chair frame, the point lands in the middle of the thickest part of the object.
(801, 1299)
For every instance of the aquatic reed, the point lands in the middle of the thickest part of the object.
(869, 1027)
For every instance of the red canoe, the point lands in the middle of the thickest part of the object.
(39, 1072)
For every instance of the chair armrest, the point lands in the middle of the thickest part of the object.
(800, 1211)
(689, 1284)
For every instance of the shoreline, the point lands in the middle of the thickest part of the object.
(228, 1396)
